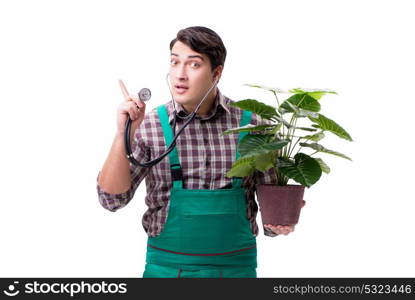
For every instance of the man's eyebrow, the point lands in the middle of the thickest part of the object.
(190, 56)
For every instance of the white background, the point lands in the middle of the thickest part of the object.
(59, 66)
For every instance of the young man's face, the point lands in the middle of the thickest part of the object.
(190, 74)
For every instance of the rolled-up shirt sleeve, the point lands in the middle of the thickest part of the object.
(113, 202)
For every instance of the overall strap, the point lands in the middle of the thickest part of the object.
(245, 120)
(175, 168)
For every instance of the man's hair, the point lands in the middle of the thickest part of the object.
(203, 40)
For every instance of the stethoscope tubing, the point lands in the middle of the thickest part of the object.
(127, 133)
(148, 164)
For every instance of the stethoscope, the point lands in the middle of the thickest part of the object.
(145, 95)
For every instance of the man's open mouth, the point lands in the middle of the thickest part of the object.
(181, 88)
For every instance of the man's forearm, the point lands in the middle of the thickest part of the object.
(115, 177)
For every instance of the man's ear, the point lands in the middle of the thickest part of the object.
(218, 72)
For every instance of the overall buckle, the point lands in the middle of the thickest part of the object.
(176, 172)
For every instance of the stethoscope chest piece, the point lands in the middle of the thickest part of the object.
(144, 94)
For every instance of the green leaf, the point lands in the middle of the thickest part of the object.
(256, 144)
(324, 167)
(305, 170)
(282, 121)
(329, 125)
(315, 93)
(299, 112)
(276, 90)
(259, 108)
(306, 128)
(276, 129)
(250, 127)
(315, 137)
(244, 166)
(288, 125)
(301, 101)
(320, 148)
(264, 161)
(284, 161)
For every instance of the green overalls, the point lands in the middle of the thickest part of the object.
(207, 232)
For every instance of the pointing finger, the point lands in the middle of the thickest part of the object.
(124, 89)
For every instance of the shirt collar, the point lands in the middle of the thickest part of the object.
(220, 100)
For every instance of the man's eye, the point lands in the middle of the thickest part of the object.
(195, 64)
(173, 62)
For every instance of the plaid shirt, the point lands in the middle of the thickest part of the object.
(205, 156)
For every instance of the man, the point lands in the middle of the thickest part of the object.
(199, 222)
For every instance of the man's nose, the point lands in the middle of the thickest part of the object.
(181, 73)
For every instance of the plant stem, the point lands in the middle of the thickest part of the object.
(278, 102)
(314, 152)
(293, 118)
(295, 125)
(289, 154)
(275, 94)
(300, 146)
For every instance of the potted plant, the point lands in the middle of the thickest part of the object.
(277, 144)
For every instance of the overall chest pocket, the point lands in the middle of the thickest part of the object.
(211, 221)
(209, 233)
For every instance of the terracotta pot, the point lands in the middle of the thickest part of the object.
(280, 205)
